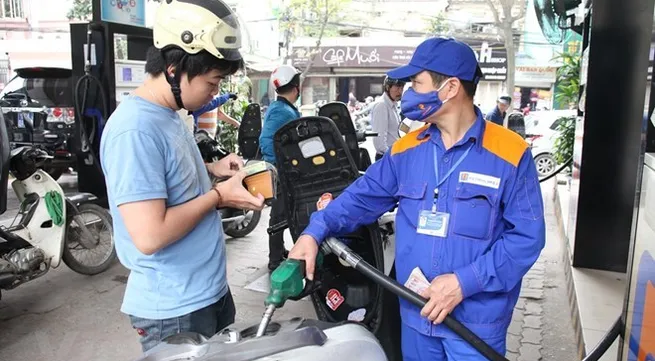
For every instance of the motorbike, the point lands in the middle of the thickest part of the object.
(52, 226)
(315, 161)
(354, 137)
(237, 223)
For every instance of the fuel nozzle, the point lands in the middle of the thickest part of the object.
(287, 283)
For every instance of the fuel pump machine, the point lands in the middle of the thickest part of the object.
(101, 80)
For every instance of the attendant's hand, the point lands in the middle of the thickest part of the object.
(306, 249)
(444, 294)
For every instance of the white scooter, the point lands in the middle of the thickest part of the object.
(51, 226)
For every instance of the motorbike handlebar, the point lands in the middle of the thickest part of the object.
(276, 228)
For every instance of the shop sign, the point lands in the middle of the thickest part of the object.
(540, 74)
(491, 56)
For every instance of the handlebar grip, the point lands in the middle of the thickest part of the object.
(370, 134)
(276, 228)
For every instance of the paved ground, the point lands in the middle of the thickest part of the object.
(64, 316)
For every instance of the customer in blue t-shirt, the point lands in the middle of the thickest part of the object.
(166, 228)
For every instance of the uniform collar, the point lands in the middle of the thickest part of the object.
(474, 133)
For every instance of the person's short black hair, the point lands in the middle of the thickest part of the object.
(506, 98)
(295, 82)
(469, 87)
(190, 64)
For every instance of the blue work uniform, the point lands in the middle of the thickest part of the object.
(215, 103)
(495, 233)
(496, 116)
(279, 113)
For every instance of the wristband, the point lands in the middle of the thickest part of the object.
(220, 198)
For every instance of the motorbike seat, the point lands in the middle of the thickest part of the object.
(339, 114)
(249, 131)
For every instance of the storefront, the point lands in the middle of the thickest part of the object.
(338, 70)
(534, 87)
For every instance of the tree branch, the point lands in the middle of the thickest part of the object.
(522, 8)
(315, 51)
(495, 12)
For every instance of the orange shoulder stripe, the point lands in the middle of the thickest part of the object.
(504, 143)
(409, 141)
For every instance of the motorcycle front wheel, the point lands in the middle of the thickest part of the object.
(243, 228)
(94, 238)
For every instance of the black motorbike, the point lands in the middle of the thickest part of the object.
(338, 112)
(313, 158)
(237, 223)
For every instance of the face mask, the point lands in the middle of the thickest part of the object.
(420, 106)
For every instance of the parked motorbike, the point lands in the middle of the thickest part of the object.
(237, 223)
(314, 163)
(52, 226)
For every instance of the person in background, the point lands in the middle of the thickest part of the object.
(385, 118)
(286, 80)
(215, 103)
(497, 115)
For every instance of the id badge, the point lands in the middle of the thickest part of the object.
(433, 224)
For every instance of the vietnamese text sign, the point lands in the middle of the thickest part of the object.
(128, 12)
(492, 57)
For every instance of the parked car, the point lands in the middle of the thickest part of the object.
(541, 132)
(38, 109)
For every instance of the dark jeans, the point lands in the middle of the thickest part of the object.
(206, 321)
(276, 250)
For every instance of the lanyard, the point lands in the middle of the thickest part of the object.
(450, 171)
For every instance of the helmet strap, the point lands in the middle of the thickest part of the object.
(174, 81)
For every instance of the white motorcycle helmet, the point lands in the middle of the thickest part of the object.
(194, 26)
(283, 75)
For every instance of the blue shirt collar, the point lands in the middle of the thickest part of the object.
(474, 133)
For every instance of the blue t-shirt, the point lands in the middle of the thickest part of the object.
(148, 153)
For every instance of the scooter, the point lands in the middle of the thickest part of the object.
(237, 223)
(338, 112)
(52, 226)
(316, 163)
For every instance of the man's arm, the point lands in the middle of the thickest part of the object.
(362, 203)
(380, 123)
(510, 258)
(213, 104)
(137, 185)
(227, 119)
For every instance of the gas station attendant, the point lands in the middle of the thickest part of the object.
(470, 212)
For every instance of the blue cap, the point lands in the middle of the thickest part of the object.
(445, 56)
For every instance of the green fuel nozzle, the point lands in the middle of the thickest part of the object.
(286, 282)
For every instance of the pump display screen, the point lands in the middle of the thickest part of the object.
(128, 12)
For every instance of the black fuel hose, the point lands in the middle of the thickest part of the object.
(608, 339)
(557, 171)
(356, 261)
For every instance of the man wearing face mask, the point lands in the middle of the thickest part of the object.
(385, 118)
(286, 80)
(470, 212)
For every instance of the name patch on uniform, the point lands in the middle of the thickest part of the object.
(479, 179)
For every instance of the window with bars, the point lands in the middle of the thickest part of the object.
(12, 9)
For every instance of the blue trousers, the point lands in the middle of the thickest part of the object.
(206, 321)
(418, 347)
